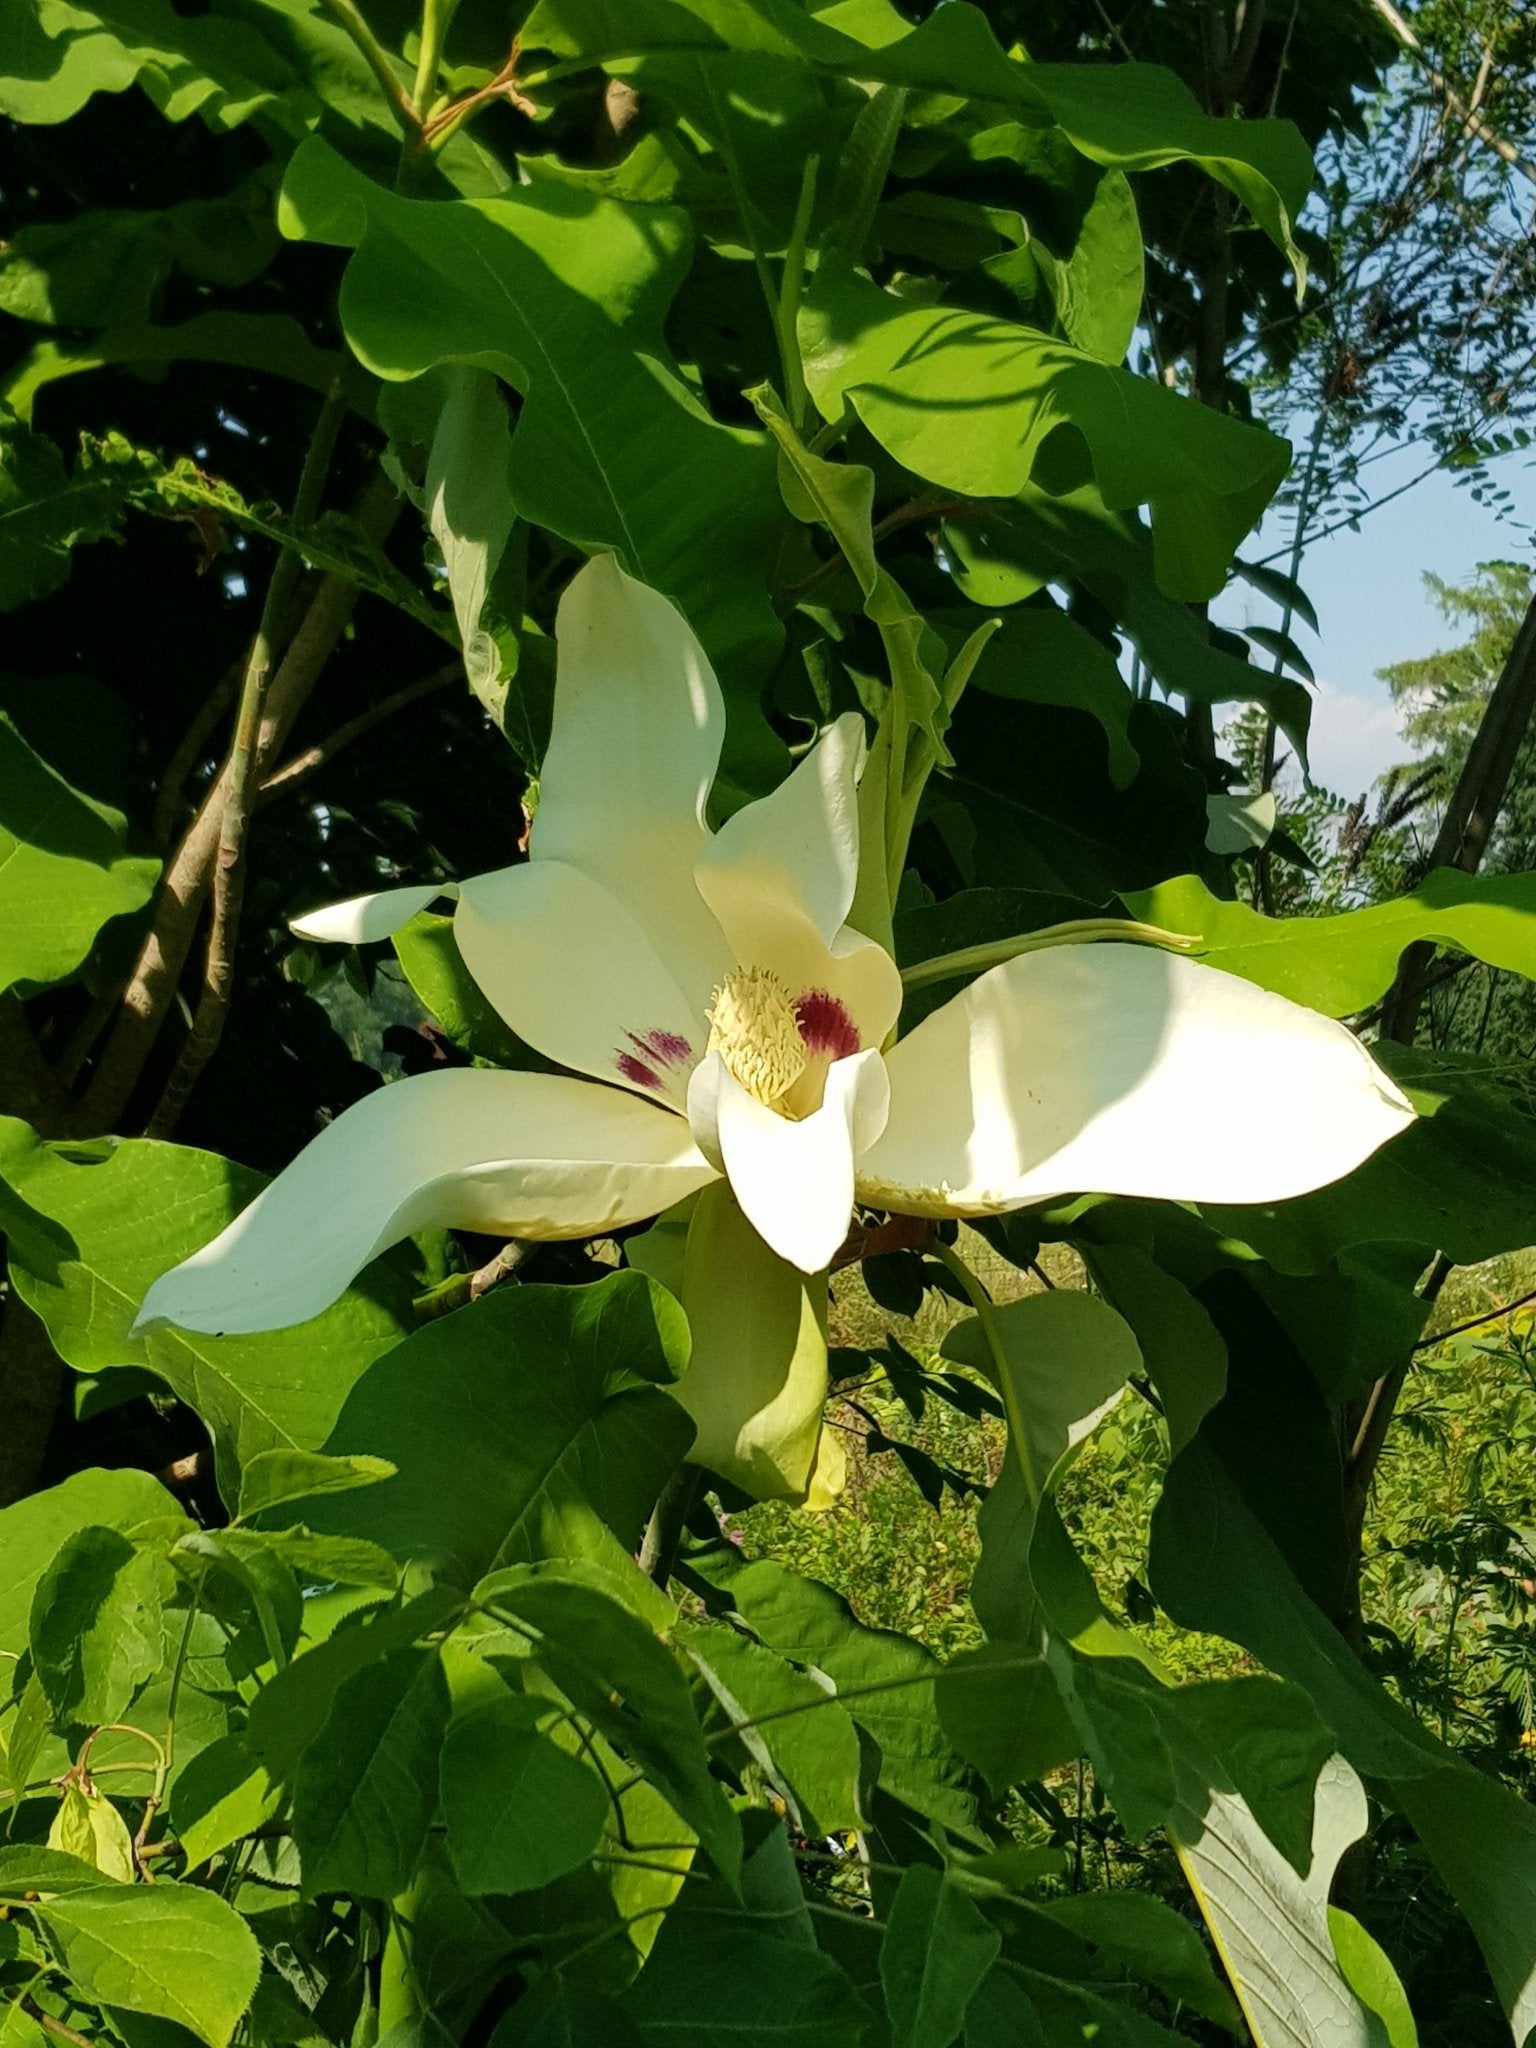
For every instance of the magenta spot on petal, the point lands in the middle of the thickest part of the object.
(637, 1071)
(825, 1024)
(665, 1046)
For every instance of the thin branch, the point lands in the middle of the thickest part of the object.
(1491, 1315)
(189, 751)
(240, 782)
(301, 766)
(52, 2026)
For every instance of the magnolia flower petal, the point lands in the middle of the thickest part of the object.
(794, 853)
(362, 920)
(520, 1155)
(638, 725)
(1122, 1070)
(779, 876)
(756, 1382)
(574, 975)
(794, 1180)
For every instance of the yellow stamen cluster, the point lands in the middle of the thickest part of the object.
(753, 1027)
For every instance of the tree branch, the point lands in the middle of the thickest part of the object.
(147, 998)
(240, 781)
(301, 766)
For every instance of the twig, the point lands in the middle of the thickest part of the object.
(189, 750)
(1491, 1315)
(52, 2026)
(502, 1267)
(301, 766)
(239, 780)
(436, 131)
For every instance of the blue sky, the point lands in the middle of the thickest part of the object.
(1372, 607)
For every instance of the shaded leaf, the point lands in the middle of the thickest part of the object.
(936, 1950)
(807, 1745)
(520, 1811)
(96, 1632)
(613, 1670)
(364, 1794)
(547, 1429)
(133, 1208)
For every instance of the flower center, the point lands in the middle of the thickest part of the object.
(754, 1028)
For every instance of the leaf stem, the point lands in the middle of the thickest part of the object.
(377, 59)
(435, 18)
(664, 1532)
(787, 311)
(1078, 931)
(986, 1316)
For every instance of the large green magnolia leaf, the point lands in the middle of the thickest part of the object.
(1134, 116)
(471, 509)
(97, 1634)
(1181, 1348)
(546, 1434)
(1342, 964)
(1228, 1768)
(1040, 655)
(106, 264)
(163, 1949)
(284, 61)
(64, 868)
(519, 1810)
(1273, 1926)
(888, 1679)
(1075, 539)
(131, 1210)
(614, 1669)
(729, 1982)
(807, 1746)
(1214, 1568)
(938, 1946)
(273, 343)
(611, 448)
(1060, 1361)
(1018, 2005)
(968, 401)
(1043, 812)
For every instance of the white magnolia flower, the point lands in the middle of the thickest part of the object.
(737, 1031)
